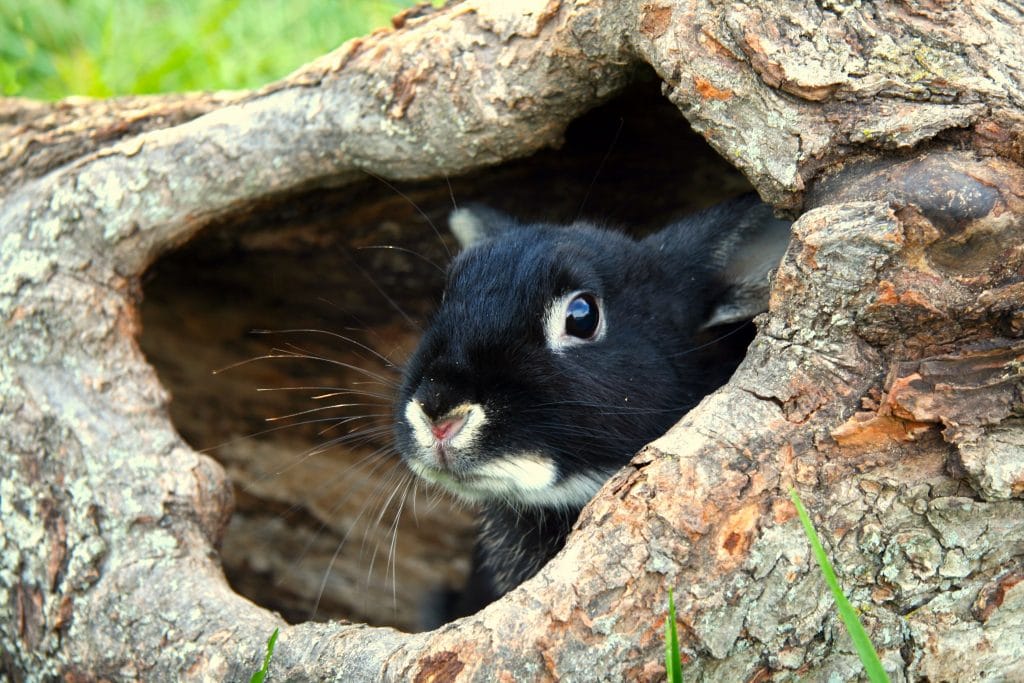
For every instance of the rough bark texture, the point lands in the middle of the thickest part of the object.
(885, 383)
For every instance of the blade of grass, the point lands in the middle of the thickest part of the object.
(861, 641)
(261, 675)
(673, 665)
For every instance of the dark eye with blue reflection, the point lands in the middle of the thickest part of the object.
(582, 316)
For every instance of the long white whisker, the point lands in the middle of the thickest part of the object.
(418, 209)
(320, 409)
(313, 330)
(391, 247)
(392, 560)
(391, 302)
(264, 432)
(364, 435)
(344, 540)
(451, 192)
(600, 167)
(739, 328)
(306, 455)
(281, 353)
(333, 391)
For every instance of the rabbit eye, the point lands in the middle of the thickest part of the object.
(574, 319)
(582, 317)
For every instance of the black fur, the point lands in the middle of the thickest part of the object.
(590, 407)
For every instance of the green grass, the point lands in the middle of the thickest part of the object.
(261, 675)
(55, 48)
(861, 641)
(673, 663)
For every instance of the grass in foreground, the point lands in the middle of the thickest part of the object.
(261, 675)
(861, 642)
(673, 663)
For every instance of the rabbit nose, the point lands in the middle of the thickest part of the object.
(447, 428)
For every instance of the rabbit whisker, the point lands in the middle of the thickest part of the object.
(387, 361)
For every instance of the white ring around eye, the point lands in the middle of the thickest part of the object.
(554, 323)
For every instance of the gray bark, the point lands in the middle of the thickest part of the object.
(885, 383)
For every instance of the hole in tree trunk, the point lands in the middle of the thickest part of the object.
(318, 494)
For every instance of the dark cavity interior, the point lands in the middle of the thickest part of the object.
(327, 523)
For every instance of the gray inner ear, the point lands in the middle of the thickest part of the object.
(467, 227)
(757, 252)
(475, 223)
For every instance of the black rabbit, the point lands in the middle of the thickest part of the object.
(556, 354)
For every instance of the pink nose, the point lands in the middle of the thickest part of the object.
(447, 428)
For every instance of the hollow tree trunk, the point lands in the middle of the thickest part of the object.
(885, 383)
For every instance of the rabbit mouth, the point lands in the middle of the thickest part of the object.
(445, 436)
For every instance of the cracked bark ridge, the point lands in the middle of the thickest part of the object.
(885, 382)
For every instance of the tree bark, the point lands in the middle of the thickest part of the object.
(885, 383)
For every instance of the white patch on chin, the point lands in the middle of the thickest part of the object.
(574, 491)
(525, 479)
(527, 472)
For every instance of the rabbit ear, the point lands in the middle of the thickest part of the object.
(475, 223)
(759, 242)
